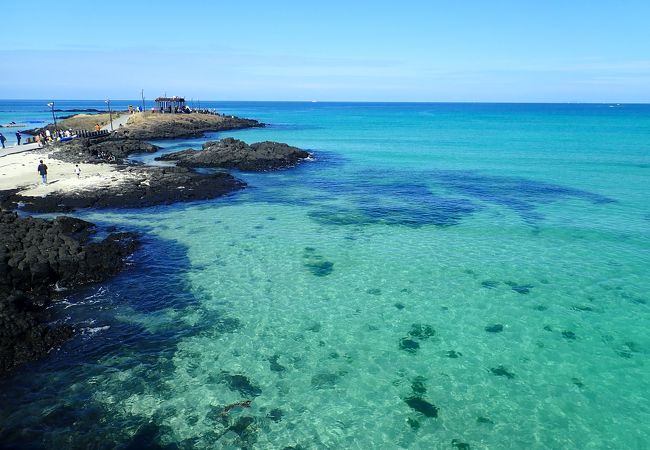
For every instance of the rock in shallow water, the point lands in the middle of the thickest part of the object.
(241, 384)
(502, 372)
(422, 406)
(232, 153)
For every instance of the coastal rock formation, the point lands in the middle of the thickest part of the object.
(170, 126)
(37, 256)
(138, 187)
(232, 153)
(101, 149)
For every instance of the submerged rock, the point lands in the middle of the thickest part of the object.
(496, 328)
(570, 335)
(275, 365)
(502, 372)
(275, 415)
(456, 443)
(421, 331)
(409, 345)
(418, 387)
(326, 380)
(422, 406)
(519, 288)
(241, 384)
(232, 153)
(490, 284)
(484, 420)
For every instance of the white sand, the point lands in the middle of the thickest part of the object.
(19, 171)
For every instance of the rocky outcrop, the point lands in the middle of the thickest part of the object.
(141, 186)
(101, 149)
(170, 126)
(235, 154)
(37, 256)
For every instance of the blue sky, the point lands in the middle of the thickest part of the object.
(520, 51)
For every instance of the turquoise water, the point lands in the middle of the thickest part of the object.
(490, 260)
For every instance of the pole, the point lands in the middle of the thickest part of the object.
(142, 94)
(53, 117)
(110, 113)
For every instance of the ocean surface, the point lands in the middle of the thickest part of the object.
(444, 276)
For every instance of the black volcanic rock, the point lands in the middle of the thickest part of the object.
(232, 153)
(37, 256)
(100, 149)
(172, 126)
(143, 186)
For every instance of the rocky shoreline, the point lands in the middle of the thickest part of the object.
(38, 256)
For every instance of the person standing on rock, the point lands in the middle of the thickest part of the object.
(42, 170)
(18, 137)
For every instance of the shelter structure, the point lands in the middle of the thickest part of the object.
(170, 104)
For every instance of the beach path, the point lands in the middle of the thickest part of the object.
(18, 149)
(117, 123)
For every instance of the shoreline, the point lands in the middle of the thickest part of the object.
(108, 180)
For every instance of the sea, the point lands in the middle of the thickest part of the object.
(436, 276)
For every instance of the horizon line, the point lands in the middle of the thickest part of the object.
(349, 101)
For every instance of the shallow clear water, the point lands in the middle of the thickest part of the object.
(492, 260)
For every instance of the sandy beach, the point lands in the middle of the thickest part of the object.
(18, 170)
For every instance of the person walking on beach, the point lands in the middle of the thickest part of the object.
(3, 139)
(97, 127)
(18, 137)
(77, 170)
(42, 170)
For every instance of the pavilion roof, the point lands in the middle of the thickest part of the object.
(170, 99)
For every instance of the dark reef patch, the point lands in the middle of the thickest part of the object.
(418, 387)
(317, 264)
(519, 288)
(490, 284)
(275, 365)
(502, 372)
(409, 345)
(422, 406)
(496, 328)
(627, 350)
(414, 424)
(275, 415)
(570, 335)
(421, 331)
(326, 380)
(578, 382)
(453, 354)
(518, 194)
(240, 383)
(457, 443)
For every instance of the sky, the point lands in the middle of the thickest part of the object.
(422, 51)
